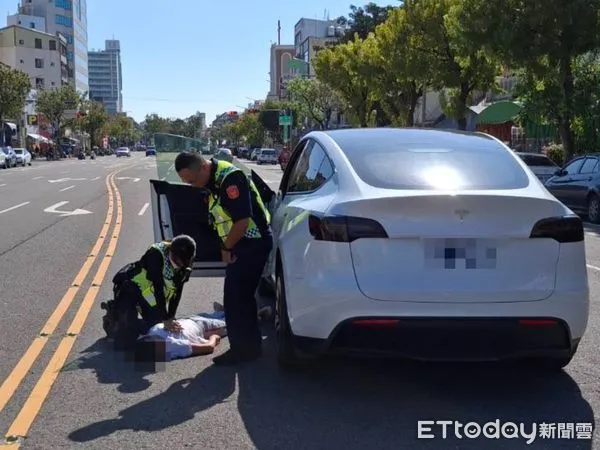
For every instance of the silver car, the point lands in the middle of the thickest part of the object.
(23, 156)
(224, 154)
(123, 151)
(542, 166)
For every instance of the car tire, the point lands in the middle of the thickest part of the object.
(287, 359)
(594, 208)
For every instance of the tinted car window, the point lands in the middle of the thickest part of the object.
(573, 168)
(589, 165)
(308, 173)
(537, 160)
(429, 160)
(268, 152)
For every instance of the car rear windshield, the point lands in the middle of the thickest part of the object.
(432, 161)
(18, 151)
(268, 152)
(537, 160)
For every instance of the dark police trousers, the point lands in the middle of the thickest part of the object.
(241, 281)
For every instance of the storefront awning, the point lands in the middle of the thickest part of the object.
(497, 113)
(38, 137)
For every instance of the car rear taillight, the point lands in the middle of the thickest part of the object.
(562, 229)
(344, 228)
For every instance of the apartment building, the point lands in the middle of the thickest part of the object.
(281, 70)
(40, 55)
(105, 76)
(310, 36)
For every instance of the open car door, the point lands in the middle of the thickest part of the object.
(182, 209)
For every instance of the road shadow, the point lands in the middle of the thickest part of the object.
(591, 228)
(111, 367)
(358, 404)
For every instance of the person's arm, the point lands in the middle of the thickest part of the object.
(207, 348)
(236, 199)
(152, 261)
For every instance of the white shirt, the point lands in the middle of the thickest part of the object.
(179, 345)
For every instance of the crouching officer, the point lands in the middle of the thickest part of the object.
(152, 287)
(238, 215)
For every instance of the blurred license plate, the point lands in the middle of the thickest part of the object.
(460, 253)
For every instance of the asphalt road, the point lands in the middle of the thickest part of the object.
(95, 399)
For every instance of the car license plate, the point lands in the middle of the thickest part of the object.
(460, 253)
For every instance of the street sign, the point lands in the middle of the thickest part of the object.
(285, 121)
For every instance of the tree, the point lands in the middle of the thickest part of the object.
(457, 65)
(121, 128)
(153, 123)
(250, 129)
(404, 70)
(363, 20)
(54, 103)
(14, 87)
(347, 68)
(93, 120)
(315, 99)
(543, 38)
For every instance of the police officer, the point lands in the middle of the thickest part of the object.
(152, 287)
(241, 220)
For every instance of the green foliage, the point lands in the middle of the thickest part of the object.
(315, 100)
(363, 20)
(153, 124)
(93, 120)
(14, 87)
(55, 102)
(556, 153)
(122, 129)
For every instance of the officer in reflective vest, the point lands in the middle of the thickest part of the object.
(240, 218)
(153, 285)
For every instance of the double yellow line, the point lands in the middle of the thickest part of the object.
(21, 425)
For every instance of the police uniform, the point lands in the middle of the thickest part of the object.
(233, 197)
(153, 289)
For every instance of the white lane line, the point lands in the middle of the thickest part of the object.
(94, 179)
(2, 184)
(14, 207)
(144, 208)
(66, 189)
(37, 178)
(593, 267)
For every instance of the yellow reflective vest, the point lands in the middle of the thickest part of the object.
(146, 286)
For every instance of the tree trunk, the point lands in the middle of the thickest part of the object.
(565, 116)
(462, 98)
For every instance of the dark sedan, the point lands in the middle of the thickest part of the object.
(577, 185)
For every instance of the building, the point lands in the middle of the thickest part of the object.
(68, 17)
(281, 70)
(36, 53)
(311, 35)
(25, 21)
(223, 119)
(105, 76)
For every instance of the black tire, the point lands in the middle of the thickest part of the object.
(287, 359)
(594, 208)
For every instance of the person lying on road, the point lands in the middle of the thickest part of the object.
(151, 287)
(198, 335)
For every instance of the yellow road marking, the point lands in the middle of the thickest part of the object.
(21, 425)
(14, 379)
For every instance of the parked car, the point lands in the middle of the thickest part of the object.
(224, 154)
(577, 185)
(3, 162)
(11, 156)
(123, 151)
(151, 151)
(430, 245)
(542, 166)
(23, 156)
(266, 156)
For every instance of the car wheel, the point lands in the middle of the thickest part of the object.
(594, 208)
(286, 353)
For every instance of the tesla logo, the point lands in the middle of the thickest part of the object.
(461, 214)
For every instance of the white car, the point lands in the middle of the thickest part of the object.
(266, 156)
(23, 156)
(542, 166)
(426, 244)
(123, 151)
(3, 162)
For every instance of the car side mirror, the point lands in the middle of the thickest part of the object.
(560, 172)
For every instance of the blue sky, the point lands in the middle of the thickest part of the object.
(183, 56)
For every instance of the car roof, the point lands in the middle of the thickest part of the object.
(531, 154)
(405, 133)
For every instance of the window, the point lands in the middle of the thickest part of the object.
(537, 160)
(311, 170)
(22, 62)
(64, 4)
(64, 21)
(39, 63)
(39, 83)
(21, 42)
(589, 166)
(52, 45)
(31, 24)
(38, 43)
(70, 56)
(573, 167)
(430, 160)
(52, 64)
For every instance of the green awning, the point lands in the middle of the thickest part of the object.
(499, 112)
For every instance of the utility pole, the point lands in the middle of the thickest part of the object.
(279, 32)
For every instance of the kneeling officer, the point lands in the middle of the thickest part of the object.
(152, 287)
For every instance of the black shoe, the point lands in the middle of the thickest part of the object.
(230, 357)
